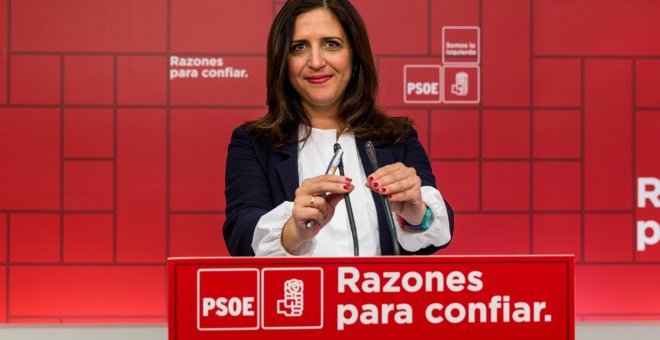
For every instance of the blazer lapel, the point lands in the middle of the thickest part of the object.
(287, 169)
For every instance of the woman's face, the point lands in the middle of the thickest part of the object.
(320, 60)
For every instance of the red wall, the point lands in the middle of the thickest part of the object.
(107, 167)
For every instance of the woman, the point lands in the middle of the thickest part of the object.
(321, 89)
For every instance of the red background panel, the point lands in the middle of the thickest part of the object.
(197, 235)
(607, 289)
(454, 134)
(396, 26)
(505, 134)
(608, 134)
(505, 186)
(557, 234)
(491, 234)
(3, 297)
(34, 320)
(209, 26)
(646, 82)
(34, 238)
(88, 238)
(557, 134)
(618, 318)
(89, 80)
(506, 52)
(596, 27)
(89, 25)
(557, 82)
(88, 132)
(3, 237)
(458, 182)
(647, 152)
(30, 153)
(141, 185)
(198, 173)
(99, 290)
(130, 320)
(608, 238)
(4, 9)
(141, 80)
(88, 185)
(557, 186)
(35, 79)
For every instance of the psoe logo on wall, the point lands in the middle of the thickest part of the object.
(421, 84)
(247, 299)
(461, 84)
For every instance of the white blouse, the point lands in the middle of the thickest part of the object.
(335, 238)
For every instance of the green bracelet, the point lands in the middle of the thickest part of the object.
(422, 227)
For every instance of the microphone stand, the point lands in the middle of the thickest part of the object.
(349, 209)
(371, 152)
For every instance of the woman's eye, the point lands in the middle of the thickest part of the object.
(332, 44)
(297, 48)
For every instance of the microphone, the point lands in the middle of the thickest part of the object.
(349, 209)
(371, 152)
(332, 168)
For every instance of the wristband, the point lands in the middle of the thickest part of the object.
(423, 226)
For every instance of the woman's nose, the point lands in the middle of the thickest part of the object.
(316, 58)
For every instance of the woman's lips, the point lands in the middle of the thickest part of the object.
(318, 79)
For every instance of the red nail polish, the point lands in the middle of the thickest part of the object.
(371, 178)
(375, 184)
(383, 190)
(346, 187)
(348, 179)
(390, 196)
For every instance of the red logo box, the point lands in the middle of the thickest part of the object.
(461, 84)
(460, 45)
(421, 84)
(227, 299)
(292, 298)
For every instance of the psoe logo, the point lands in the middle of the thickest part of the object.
(251, 299)
(224, 305)
(421, 84)
(292, 298)
(461, 84)
(293, 303)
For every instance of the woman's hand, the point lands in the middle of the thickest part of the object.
(403, 188)
(312, 204)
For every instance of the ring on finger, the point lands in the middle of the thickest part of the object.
(311, 201)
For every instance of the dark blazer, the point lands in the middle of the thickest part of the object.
(258, 179)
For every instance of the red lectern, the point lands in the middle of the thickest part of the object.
(453, 297)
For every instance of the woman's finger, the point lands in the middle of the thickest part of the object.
(322, 184)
